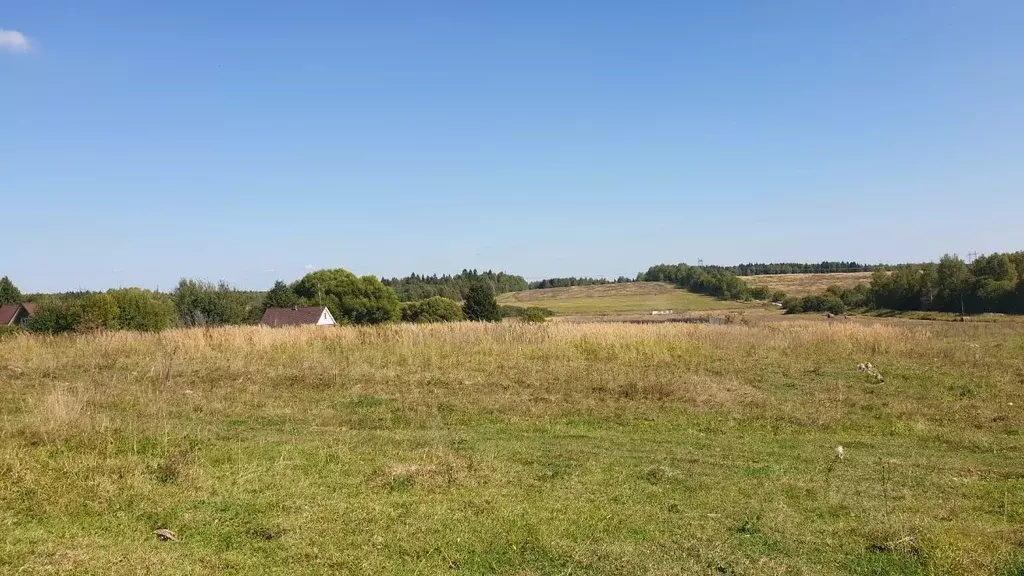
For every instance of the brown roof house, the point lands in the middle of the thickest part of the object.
(16, 314)
(299, 316)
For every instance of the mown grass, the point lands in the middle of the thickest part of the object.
(515, 449)
(605, 298)
(807, 284)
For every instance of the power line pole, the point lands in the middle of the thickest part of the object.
(700, 261)
(971, 256)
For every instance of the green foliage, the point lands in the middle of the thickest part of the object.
(55, 316)
(655, 273)
(351, 299)
(200, 303)
(9, 293)
(710, 280)
(10, 330)
(419, 287)
(574, 281)
(995, 267)
(534, 315)
(98, 312)
(280, 296)
(528, 313)
(778, 296)
(952, 278)
(480, 304)
(433, 309)
(143, 310)
(989, 284)
(827, 302)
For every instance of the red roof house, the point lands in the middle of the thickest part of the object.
(16, 314)
(299, 316)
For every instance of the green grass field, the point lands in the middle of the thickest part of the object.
(516, 449)
(632, 297)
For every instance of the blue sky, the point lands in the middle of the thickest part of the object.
(145, 141)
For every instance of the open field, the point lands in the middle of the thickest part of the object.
(806, 284)
(605, 298)
(516, 449)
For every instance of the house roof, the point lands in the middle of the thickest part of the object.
(8, 312)
(29, 307)
(292, 316)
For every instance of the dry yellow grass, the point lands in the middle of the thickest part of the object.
(515, 449)
(806, 284)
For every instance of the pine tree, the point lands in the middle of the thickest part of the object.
(480, 304)
(9, 293)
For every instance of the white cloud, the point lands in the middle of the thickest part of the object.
(14, 41)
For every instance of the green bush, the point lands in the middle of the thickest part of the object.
(827, 302)
(55, 316)
(98, 312)
(143, 310)
(778, 296)
(200, 303)
(534, 315)
(521, 312)
(433, 309)
(9, 330)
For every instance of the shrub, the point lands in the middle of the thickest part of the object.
(522, 312)
(760, 293)
(98, 312)
(827, 302)
(143, 310)
(793, 305)
(200, 303)
(433, 309)
(55, 316)
(778, 296)
(533, 315)
(857, 297)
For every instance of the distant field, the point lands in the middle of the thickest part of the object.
(632, 297)
(804, 284)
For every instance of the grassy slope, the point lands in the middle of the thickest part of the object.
(632, 297)
(805, 284)
(515, 449)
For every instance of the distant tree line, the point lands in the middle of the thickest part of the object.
(715, 281)
(351, 300)
(574, 281)
(827, 267)
(992, 283)
(454, 287)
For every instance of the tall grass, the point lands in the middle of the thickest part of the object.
(515, 448)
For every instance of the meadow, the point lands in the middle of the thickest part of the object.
(513, 448)
(807, 284)
(629, 297)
